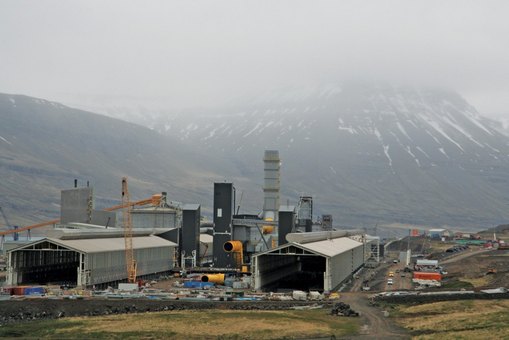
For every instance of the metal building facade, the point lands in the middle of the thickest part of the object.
(86, 262)
(155, 217)
(334, 260)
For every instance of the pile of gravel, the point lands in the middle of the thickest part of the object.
(343, 309)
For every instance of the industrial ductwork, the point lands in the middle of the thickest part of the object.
(320, 235)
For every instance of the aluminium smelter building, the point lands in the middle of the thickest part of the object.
(321, 264)
(86, 262)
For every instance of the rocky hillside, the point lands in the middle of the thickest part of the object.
(368, 154)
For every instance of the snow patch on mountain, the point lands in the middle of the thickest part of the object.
(403, 131)
(253, 129)
(5, 140)
(439, 129)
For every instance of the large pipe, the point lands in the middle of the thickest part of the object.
(237, 249)
(267, 229)
(214, 278)
(99, 232)
(233, 247)
(321, 235)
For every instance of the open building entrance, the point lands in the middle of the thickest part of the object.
(45, 263)
(291, 268)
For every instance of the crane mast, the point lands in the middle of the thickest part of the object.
(128, 233)
(5, 218)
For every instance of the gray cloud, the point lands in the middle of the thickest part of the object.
(207, 52)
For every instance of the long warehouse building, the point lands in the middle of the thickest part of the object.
(309, 262)
(86, 262)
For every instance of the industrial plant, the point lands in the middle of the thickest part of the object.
(280, 248)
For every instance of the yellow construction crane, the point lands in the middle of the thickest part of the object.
(128, 233)
(155, 201)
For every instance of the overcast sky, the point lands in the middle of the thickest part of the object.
(198, 53)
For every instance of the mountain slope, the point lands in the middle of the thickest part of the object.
(45, 145)
(367, 153)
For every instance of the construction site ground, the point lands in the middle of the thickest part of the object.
(478, 269)
(473, 268)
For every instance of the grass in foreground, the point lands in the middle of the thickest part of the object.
(467, 319)
(210, 324)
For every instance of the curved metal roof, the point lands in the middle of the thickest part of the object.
(328, 248)
(103, 245)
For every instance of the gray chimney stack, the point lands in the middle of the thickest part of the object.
(271, 186)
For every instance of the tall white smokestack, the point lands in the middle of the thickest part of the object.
(272, 165)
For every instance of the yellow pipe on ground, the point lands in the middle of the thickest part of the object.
(214, 278)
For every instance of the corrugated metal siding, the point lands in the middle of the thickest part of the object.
(342, 265)
(110, 266)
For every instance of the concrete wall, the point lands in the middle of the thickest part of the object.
(76, 205)
(104, 218)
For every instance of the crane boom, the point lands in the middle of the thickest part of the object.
(128, 233)
(154, 200)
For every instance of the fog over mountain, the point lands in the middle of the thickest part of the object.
(385, 111)
(169, 55)
(369, 154)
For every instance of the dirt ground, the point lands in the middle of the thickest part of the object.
(374, 325)
(476, 268)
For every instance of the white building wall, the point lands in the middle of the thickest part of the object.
(342, 266)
